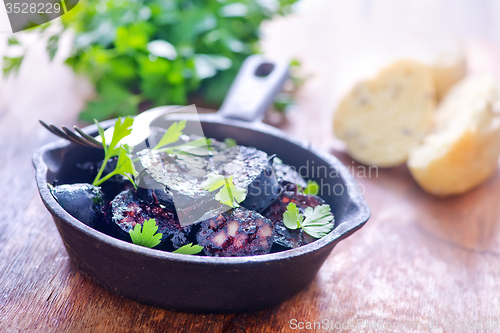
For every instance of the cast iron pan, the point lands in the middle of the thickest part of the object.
(199, 283)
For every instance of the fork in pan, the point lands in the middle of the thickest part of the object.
(81, 138)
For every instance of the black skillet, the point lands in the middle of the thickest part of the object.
(199, 283)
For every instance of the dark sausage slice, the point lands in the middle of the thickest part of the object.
(237, 232)
(83, 201)
(184, 174)
(128, 210)
(287, 237)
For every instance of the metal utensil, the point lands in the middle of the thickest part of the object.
(81, 138)
(140, 130)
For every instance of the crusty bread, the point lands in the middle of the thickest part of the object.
(463, 149)
(447, 70)
(380, 120)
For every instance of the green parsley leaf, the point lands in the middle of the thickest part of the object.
(318, 221)
(172, 134)
(199, 147)
(101, 134)
(121, 130)
(230, 142)
(124, 165)
(52, 46)
(189, 249)
(312, 188)
(12, 65)
(146, 235)
(229, 193)
(277, 160)
(318, 231)
(213, 182)
(292, 218)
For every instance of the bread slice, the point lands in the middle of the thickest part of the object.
(463, 149)
(380, 120)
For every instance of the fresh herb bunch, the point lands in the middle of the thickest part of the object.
(317, 221)
(164, 51)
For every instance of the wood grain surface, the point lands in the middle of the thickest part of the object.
(418, 261)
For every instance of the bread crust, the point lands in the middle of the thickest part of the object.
(381, 119)
(462, 152)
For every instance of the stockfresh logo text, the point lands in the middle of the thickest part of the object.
(20, 15)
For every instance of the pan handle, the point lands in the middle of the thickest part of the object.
(254, 89)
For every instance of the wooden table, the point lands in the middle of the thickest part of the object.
(418, 261)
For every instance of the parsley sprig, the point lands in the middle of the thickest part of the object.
(312, 188)
(229, 193)
(316, 222)
(124, 165)
(145, 235)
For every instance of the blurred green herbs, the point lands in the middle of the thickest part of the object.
(160, 51)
